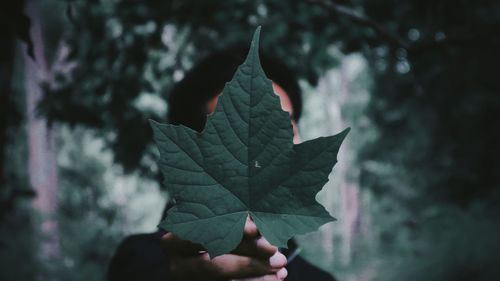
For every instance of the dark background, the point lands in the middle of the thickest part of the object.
(417, 80)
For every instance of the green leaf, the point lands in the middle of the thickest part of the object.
(244, 163)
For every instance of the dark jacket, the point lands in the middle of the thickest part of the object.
(141, 258)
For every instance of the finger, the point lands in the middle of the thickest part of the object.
(250, 229)
(282, 274)
(278, 260)
(235, 267)
(176, 246)
(257, 247)
(223, 267)
(270, 277)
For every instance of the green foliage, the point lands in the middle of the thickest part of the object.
(125, 50)
(18, 245)
(244, 163)
(86, 237)
(433, 103)
(128, 49)
(451, 244)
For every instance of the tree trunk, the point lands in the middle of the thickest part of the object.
(42, 144)
(337, 93)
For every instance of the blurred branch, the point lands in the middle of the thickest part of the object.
(362, 20)
(484, 33)
(483, 36)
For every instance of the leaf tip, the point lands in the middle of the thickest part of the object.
(256, 34)
(344, 133)
(254, 45)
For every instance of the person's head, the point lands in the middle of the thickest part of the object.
(196, 94)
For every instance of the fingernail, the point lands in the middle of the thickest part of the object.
(282, 273)
(168, 236)
(277, 260)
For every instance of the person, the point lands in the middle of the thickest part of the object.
(161, 255)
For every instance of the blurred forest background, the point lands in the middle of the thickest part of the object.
(417, 187)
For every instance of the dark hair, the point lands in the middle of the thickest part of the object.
(188, 99)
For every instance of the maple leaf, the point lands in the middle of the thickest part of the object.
(244, 163)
